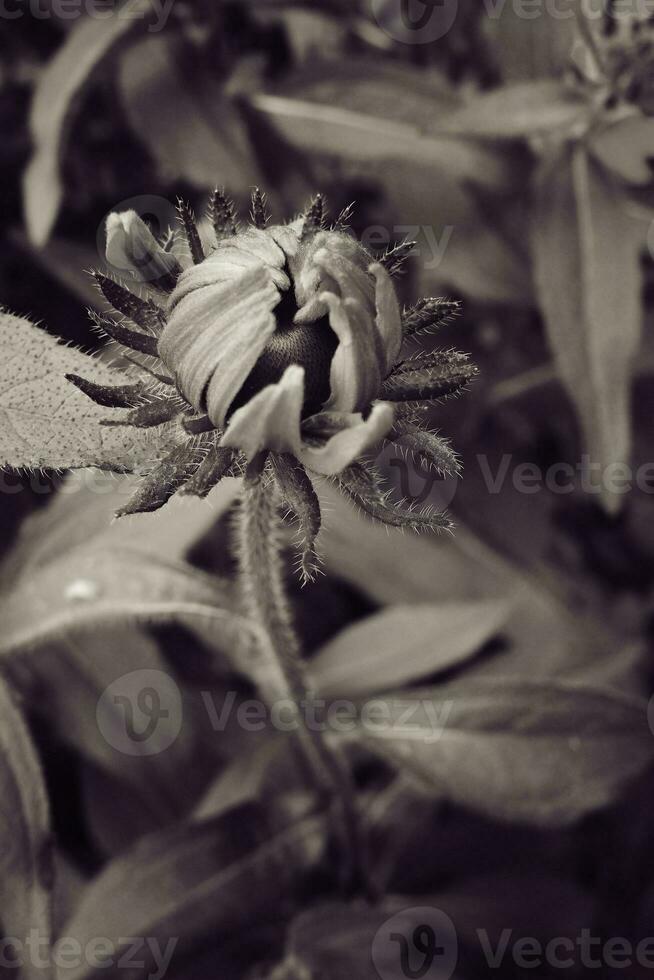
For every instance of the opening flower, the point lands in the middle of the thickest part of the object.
(278, 342)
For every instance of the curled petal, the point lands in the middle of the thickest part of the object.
(215, 334)
(343, 275)
(271, 419)
(387, 316)
(131, 247)
(252, 248)
(355, 375)
(308, 273)
(357, 436)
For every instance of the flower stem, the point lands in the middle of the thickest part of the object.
(280, 672)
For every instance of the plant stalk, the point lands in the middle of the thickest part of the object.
(280, 672)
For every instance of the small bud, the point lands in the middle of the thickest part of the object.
(131, 247)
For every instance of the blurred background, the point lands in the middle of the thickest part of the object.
(514, 142)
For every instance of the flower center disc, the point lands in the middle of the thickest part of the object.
(311, 345)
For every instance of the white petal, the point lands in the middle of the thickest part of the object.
(387, 316)
(345, 446)
(271, 419)
(355, 375)
(131, 247)
(215, 334)
(251, 248)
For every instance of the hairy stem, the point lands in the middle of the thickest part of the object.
(280, 672)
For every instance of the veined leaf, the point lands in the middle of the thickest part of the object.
(403, 643)
(586, 249)
(517, 111)
(45, 422)
(26, 874)
(545, 753)
(197, 883)
(59, 88)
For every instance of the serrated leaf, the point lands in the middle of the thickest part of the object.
(45, 421)
(402, 644)
(60, 86)
(26, 872)
(543, 753)
(586, 249)
(193, 132)
(197, 883)
(517, 111)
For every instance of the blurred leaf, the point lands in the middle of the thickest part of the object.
(545, 753)
(586, 250)
(359, 136)
(68, 263)
(545, 639)
(528, 47)
(63, 683)
(515, 111)
(26, 865)
(334, 940)
(192, 130)
(197, 883)
(403, 643)
(380, 123)
(91, 589)
(81, 512)
(60, 87)
(626, 147)
(46, 421)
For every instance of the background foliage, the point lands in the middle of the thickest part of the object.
(519, 153)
